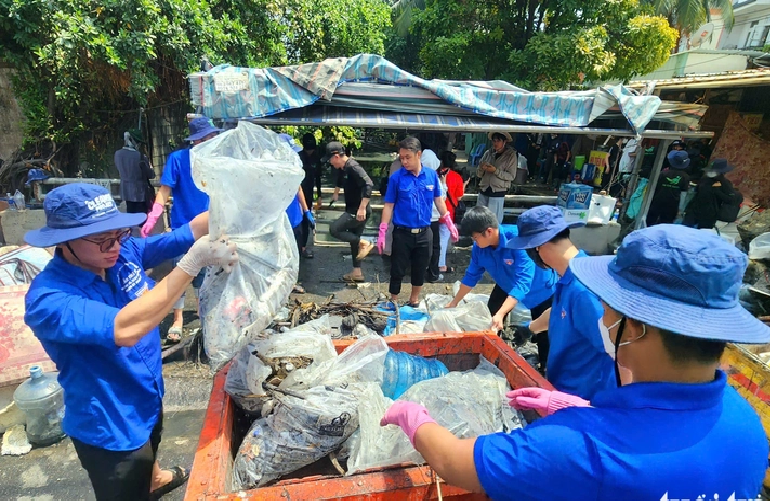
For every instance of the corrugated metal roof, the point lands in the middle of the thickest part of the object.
(745, 78)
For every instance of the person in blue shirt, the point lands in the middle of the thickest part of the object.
(412, 191)
(670, 299)
(189, 201)
(300, 216)
(516, 277)
(96, 313)
(577, 362)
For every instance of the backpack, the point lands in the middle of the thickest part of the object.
(728, 211)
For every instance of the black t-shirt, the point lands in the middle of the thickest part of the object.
(357, 185)
(671, 183)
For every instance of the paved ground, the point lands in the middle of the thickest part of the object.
(54, 473)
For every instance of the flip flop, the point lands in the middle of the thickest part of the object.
(179, 476)
(298, 289)
(449, 269)
(353, 279)
(174, 334)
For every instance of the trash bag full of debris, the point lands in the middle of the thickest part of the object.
(472, 316)
(299, 432)
(272, 358)
(251, 177)
(468, 404)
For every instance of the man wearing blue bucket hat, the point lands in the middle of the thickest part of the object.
(670, 297)
(671, 190)
(577, 362)
(96, 313)
(177, 182)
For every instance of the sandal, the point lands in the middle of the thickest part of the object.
(307, 254)
(352, 279)
(412, 305)
(298, 289)
(447, 269)
(174, 334)
(179, 476)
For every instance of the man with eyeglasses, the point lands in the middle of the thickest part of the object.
(96, 313)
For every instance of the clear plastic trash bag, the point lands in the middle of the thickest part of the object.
(309, 343)
(251, 177)
(468, 404)
(361, 362)
(299, 432)
(473, 316)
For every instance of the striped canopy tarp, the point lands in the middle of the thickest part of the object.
(229, 92)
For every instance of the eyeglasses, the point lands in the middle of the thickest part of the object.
(107, 243)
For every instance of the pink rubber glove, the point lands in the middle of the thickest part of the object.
(152, 218)
(408, 415)
(547, 400)
(453, 233)
(381, 237)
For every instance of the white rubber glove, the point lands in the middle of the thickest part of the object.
(206, 252)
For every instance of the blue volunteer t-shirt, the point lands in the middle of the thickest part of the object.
(577, 361)
(189, 201)
(512, 270)
(412, 197)
(641, 442)
(294, 211)
(112, 394)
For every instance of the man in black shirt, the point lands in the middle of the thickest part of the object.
(310, 164)
(358, 190)
(671, 190)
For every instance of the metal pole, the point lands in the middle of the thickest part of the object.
(641, 218)
(638, 160)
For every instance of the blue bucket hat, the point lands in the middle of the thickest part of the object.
(675, 278)
(288, 139)
(720, 165)
(538, 226)
(678, 159)
(201, 127)
(77, 210)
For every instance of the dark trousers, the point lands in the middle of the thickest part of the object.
(409, 250)
(349, 229)
(662, 213)
(432, 272)
(300, 234)
(121, 475)
(136, 207)
(496, 300)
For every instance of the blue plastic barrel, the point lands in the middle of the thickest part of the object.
(402, 370)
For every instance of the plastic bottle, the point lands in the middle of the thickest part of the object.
(18, 201)
(402, 370)
(41, 398)
(9, 199)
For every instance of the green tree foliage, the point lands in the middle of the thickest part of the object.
(688, 15)
(74, 57)
(547, 45)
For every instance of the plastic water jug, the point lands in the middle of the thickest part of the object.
(41, 398)
(18, 201)
(402, 370)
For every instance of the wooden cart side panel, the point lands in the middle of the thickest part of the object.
(751, 378)
(213, 453)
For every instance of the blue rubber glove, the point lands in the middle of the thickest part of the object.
(310, 218)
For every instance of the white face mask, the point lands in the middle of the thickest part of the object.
(609, 346)
(711, 173)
